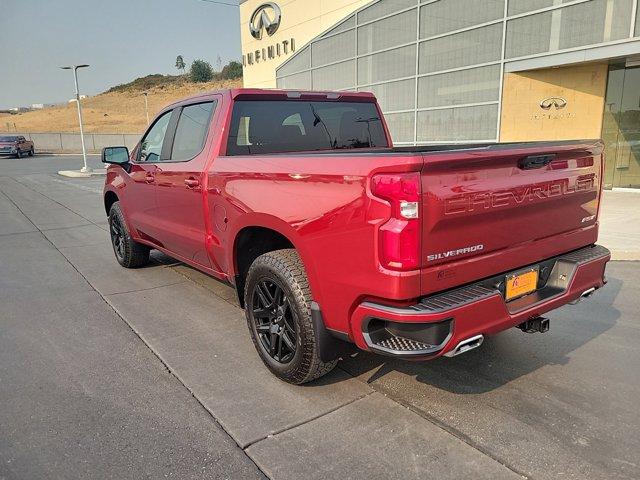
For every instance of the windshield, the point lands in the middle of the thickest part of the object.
(265, 126)
(8, 139)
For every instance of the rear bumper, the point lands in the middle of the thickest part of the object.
(440, 322)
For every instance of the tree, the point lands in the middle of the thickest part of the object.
(201, 71)
(180, 65)
(232, 70)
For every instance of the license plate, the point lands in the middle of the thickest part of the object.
(521, 283)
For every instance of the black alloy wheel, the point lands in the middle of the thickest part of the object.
(278, 302)
(128, 252)
(273, 321)
(117, 237)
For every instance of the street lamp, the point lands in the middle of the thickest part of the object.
(146, 105)
(75, 68)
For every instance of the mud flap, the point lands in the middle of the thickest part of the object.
(330, 346)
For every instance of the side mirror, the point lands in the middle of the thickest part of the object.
(115, 155)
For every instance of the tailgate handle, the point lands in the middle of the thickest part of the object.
(535, 161)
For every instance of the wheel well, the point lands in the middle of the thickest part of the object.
(109, 199)
(250, 243)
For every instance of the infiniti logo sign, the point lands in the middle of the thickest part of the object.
(557, 102)
(266, 17)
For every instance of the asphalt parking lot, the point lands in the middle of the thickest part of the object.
(114, 373)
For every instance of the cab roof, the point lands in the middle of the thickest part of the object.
(278, 94)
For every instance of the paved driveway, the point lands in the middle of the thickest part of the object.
(107, 372)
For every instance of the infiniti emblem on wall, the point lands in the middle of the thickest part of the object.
(557, 102)
(266, 17)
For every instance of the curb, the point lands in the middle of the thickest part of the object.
(79, 174)
(625, 255)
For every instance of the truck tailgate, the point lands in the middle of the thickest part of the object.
(497, 208)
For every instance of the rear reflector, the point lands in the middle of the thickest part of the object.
(399, 237)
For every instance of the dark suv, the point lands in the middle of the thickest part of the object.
(15, 145)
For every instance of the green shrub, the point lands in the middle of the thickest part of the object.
(201, 71)
(146, 83)
(232, 70)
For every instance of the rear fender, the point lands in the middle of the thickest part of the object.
(283, 228)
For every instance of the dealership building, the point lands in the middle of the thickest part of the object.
(449, 71)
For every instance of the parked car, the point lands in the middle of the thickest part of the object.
(16, 145)
(333, 237)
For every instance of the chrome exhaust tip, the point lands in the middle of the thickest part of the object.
(465, 345)
(586, 294)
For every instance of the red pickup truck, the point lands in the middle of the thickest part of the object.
(333, 237)
(16, 145)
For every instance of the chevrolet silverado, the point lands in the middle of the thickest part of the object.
(332, 236)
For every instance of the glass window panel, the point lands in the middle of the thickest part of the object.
(191, 131)
(346, 25)
(388, 65)
(300, 81)
(448, 15)
(382, 8)
(581, 24)
(528, 35)
(333, 49)
(465, 86)
(334, 77)
(401, 126)
(151, 144)
(521, 6)
(590, 22)
(392, 31)
(481, 45)
(454, 124)
(284, 126)
(620, 20)
(587, 23)
(300, 61)
(395, 95)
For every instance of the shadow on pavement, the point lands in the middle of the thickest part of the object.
(504, 357)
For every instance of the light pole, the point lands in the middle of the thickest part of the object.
(75, 68)
(146, 105)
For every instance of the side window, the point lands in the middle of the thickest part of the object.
(151, 144)
(191, 131)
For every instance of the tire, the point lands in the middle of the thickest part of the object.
(18, 154)
(287, 321)
(129, 253)
(31, 152)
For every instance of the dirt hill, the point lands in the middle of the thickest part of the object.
(119, 110)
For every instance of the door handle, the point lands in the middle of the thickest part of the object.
(192, 182)
(149, 178)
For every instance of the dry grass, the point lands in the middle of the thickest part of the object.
(116, 112)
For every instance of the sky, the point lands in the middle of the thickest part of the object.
(120, 39)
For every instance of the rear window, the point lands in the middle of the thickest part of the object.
(297, 125)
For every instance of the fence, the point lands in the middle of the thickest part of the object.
(70, 142)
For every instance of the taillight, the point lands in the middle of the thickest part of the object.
(399, 237)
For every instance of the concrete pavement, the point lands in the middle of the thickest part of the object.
(81, 396)
(537, 406)
(620, 224)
